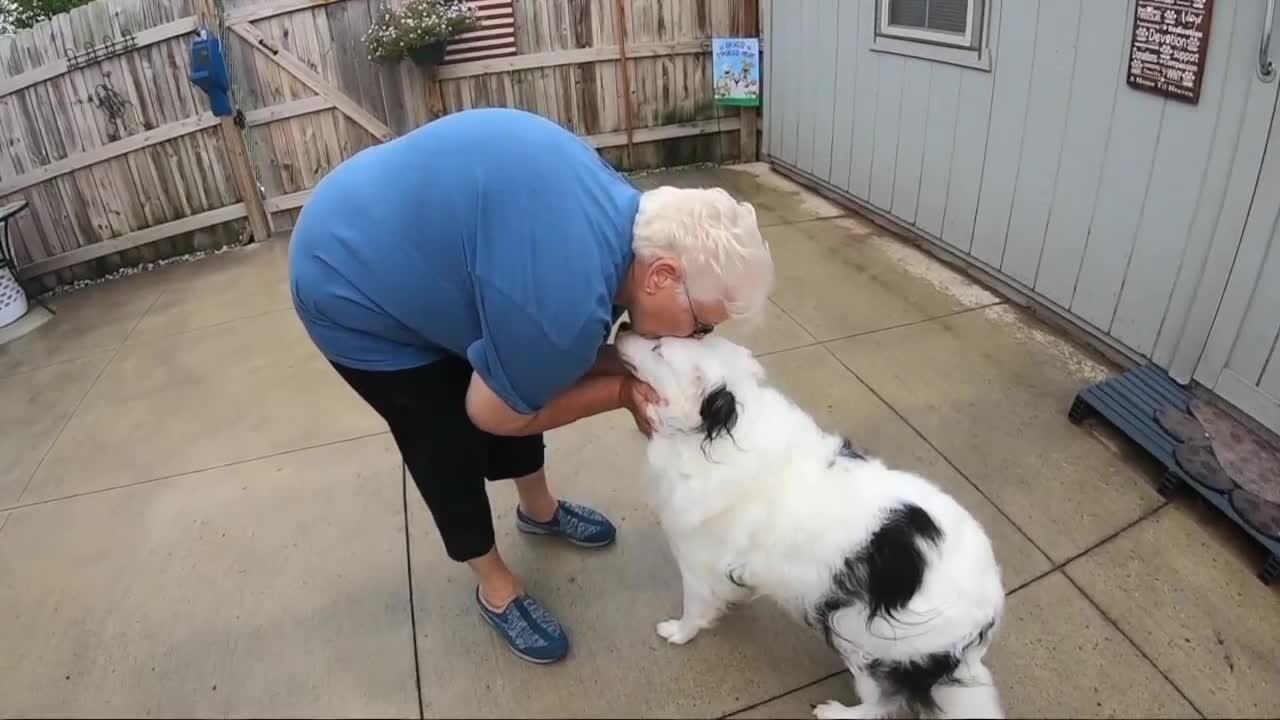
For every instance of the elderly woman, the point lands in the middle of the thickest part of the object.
(464, 280)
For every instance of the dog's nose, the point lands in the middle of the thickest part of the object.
(624, 327)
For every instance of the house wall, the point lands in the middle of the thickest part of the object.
(1103, 202)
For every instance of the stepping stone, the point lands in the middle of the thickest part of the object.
(1261, 515)
(1198, 461)
(1248, 459)
(1182, 426)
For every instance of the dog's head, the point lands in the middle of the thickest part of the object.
(700, 380)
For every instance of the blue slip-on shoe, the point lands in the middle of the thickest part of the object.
(529, 629)
(579, 525)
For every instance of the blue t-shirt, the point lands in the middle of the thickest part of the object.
(494, 235)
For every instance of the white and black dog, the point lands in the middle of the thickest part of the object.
(756, 500)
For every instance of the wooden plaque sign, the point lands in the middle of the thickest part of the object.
(1169, 46)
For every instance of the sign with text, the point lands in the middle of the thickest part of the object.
(736, 71)
(1169, 47)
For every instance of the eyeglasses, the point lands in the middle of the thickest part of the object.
(700, 329)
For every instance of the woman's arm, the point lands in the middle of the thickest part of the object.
(592, 395)
(608, 362)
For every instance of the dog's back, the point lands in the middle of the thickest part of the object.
(897, 576)
(914, 606)
(755, 498)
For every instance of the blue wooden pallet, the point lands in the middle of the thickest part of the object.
(1129, 402)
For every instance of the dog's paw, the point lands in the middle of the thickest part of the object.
(832, 710)
(675, 632)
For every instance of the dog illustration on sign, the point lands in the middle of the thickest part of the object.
(736, 71)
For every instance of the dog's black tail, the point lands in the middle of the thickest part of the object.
(944, 684)
(912, 681)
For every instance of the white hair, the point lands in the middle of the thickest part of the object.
(715, 238)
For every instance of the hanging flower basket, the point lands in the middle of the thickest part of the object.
(419, 29)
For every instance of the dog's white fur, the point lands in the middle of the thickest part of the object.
(774, 508)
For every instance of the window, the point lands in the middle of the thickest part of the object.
(955, 23)
(956, 32)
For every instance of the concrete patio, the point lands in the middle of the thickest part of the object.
(197, 518)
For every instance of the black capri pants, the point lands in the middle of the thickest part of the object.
(447, 455)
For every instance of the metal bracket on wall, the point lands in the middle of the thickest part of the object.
(91, 54)
(269, 46)
(1267, 68)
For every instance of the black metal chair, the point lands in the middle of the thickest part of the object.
(7, 213)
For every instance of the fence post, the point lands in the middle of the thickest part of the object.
(435, 93)
(242, 170)
(748, 150)
(234, 144)
(620, 13)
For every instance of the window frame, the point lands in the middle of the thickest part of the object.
(982, 35)
(933, 37)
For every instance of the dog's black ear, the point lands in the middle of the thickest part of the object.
(719, 414)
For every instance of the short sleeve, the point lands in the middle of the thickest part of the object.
(520, 360)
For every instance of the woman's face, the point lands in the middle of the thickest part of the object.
(663, 307)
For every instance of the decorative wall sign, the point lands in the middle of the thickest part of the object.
(495, 38)
(736, 71)
(1169, 47)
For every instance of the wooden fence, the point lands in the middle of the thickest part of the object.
(122, 161)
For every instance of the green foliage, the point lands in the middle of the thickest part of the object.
(22, 14)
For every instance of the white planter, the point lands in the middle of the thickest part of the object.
(13, 299)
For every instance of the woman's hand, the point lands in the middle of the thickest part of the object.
(637, 397)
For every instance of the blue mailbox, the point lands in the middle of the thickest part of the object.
(209, 72)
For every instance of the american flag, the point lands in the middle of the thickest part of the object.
(496, 36)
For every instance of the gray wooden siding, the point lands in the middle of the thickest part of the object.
(1242, 358)
(1109, 204)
